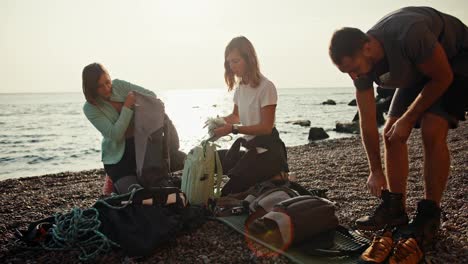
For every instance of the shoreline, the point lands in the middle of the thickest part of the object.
(339, 165)
(100, 168)
(342, 136)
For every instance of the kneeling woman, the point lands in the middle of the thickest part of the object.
(255, 100)
(109, 107)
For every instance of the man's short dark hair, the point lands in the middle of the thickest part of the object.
(346, 42)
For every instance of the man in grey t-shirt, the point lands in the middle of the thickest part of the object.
(422, 53)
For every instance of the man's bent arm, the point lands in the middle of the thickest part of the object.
(438, 69)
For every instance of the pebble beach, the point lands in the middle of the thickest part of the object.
(338, 165)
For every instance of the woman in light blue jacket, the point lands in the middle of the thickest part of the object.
(109, 107)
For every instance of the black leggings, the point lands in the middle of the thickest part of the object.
(127, 164)
(245, 169)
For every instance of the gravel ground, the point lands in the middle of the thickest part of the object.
(337, 165)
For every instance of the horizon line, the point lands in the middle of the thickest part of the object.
(168, 89)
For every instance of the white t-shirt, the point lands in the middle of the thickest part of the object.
(250, 101)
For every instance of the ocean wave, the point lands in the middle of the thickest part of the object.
(9, 142)
(37, 140)
(6, 159)
(38, 135)
(16, 142)
(38, 159)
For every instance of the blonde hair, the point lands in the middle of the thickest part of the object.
(247, 52)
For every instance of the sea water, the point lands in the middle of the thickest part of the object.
(46, 133)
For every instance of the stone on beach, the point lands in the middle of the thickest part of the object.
(347, 127)
(317, 133)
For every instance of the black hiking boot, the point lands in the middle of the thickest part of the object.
(390, 213)
(424, 226)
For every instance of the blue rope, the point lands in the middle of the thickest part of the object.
(79, 229)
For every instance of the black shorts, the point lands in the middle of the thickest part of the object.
(451, 105)
(127, 164)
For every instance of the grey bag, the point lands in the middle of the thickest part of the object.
(296, 220)
(265, 202)
(151, 150)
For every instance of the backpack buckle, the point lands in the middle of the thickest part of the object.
(237, 210)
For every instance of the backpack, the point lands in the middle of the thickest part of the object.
(284, 214)
(156, 146)
(201, 177)
(264, 194)
(296, 220)
(265, 202)
(288, 215)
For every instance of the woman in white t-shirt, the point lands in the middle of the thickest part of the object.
(255, 100)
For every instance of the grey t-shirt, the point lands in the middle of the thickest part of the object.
(408, 36)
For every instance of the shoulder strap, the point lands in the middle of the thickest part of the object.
(218, 174)
(255, 203)
(356, 246)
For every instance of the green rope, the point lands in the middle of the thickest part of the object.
(133, 187)
(79, 229)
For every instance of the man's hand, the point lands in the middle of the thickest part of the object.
(399, 131)
(376, 182)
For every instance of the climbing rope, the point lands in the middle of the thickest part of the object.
(79, 229)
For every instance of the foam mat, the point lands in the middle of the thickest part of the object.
(345, 241)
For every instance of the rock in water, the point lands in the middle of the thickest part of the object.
(352, 103)
(329, 102)
(317, 133)
(304, 123)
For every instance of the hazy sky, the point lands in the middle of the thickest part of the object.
(44, 44)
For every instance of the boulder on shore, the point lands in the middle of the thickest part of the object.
(317, 133)
(347, 127)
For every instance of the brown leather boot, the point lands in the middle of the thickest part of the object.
(390, 213)
(379, 249)
(406, 251)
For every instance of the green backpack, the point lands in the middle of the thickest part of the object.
(200, 181)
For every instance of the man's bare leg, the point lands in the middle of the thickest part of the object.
(391, 211)
(426, 222)
(434, 131)
(396, 162)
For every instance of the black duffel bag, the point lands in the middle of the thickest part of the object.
(144, 219)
